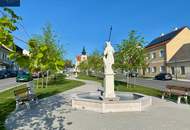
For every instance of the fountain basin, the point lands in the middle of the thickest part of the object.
(127, 102)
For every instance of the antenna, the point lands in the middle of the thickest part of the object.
(110, 34)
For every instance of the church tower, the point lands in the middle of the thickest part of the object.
(84, 55)
(80, 58)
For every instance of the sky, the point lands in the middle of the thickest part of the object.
(86, 23)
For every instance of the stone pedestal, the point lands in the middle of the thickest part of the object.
(109, 86)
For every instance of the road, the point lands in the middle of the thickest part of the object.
(148, 82)
(7, 83)
(158, 84)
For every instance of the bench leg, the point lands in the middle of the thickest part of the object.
(186, 101)
(163, 96)
(179, 100)
(17, 105)
(27, 105)
(36, 100)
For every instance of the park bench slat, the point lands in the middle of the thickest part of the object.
(23, 96)
(179, 91)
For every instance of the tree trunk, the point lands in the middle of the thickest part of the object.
(47, 78)
(42, 80)
(87, 72)
(38, 80)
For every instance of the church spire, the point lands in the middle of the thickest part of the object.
(83, 51)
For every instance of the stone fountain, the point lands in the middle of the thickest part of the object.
(110, 101)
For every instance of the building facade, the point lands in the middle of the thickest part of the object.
(5, 62)
(170, 53)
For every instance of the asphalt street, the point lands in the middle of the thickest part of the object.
(7, 83)
(158, 84)
(147, 82)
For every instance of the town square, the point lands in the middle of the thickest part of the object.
(94, 65)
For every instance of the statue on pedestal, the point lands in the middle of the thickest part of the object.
(108, 58)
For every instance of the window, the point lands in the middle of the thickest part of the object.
(153, 55)
(148, 70)
(173, 70)
(3, 56)
(182, 70)
(147, 56)
(153, 69)
(162, 68)
(161, 53)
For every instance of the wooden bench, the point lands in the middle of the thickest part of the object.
(178, 91)
(24, 96)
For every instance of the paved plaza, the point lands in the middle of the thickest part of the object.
(55, 112)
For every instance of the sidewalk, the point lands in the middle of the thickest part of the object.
(56, 113)
(185, 80)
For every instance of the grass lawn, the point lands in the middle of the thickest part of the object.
(7, 99)
(93, 78)
(121, 86)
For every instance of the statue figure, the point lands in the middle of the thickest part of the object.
(108, 58)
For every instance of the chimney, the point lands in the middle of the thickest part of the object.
(162, 34)
(175, 28)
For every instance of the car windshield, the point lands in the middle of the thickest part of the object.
(22, 73)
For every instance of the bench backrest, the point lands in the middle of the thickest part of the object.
(21, 92)
(179, 88)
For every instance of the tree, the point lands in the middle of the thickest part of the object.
(68, 64)
(45, 54)
(8, 20)
(93, 63)
(131, 55)
(84, 67)
(54, 53)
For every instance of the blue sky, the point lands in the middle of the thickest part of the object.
(86, 23)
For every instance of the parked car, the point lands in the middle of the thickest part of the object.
(12, 73)
(23, 76)
(40, 74)
(36, 75)
(4, 74)
(163, 76)
(132, 74)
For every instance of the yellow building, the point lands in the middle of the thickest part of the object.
(170, 53)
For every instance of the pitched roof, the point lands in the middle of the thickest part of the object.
(165, 38)
(182, 54)
(83, 51)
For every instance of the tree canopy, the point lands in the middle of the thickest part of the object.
(130, 53)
